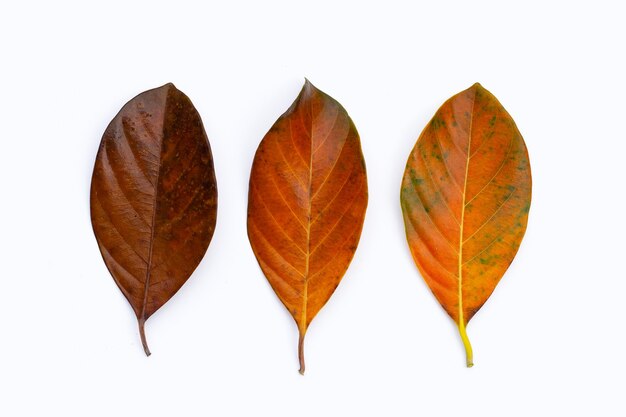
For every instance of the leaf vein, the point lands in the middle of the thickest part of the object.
(494, 175)
(443, 161)
(348, 207)
(273, 248)
(321, 186)
(433, 222)
(329, 132)
(432, 180)
(280, 226)
(430, 250)
(492, 216)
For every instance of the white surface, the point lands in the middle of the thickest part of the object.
(551, 340)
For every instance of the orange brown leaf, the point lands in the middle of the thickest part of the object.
(153, 198)
(306, 203)
(465, 198)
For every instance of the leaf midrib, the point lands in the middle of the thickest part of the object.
(462, 222)
(305, 296)
(153, 222)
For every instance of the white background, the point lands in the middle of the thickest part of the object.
(550, 341)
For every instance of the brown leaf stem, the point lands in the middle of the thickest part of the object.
(142, 333)
(301, 352)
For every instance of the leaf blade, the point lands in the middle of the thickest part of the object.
(153, 198)
(457, 234)
(306, 204)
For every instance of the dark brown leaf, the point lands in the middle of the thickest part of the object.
(153, 198)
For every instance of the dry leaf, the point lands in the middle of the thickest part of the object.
(465, 197)
(307, 201)
(153, 198)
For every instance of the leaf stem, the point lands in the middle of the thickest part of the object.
(301, 352)
(142, 333)
(468, 347)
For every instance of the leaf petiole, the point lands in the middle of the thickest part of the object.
(468, 347)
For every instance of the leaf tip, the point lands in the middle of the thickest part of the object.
(308, 91)
(169, 86)
(308, 85)
(477, 87)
